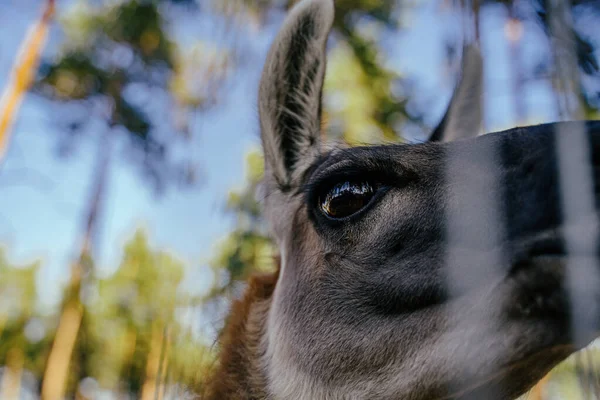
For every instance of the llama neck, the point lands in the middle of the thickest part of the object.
(238, 374)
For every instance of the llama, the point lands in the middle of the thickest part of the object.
(362, 305)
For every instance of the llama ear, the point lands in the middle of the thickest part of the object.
(464, 116)
(290, 91)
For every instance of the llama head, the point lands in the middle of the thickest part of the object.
(436, 270)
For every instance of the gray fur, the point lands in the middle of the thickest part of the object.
(362, 308)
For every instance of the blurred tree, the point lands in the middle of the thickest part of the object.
(567, 43)
(116, 69)
(23, 342)
(113, 58)
(22, 74)
(132, 342)
(136, 335)
(247, 248)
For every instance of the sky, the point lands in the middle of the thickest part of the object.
(42, 197)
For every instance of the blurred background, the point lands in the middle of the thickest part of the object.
(130, 161)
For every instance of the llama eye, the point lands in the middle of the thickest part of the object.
(346, 198)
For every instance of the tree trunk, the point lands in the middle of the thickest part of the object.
(55, 377)
(161, 386)
(57, 368)
(150, 389)
(537, 393)
(22, 75)
(11, 379)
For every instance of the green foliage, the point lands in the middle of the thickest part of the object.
(360, 108)
(360, 24)
(248, 248)
(114, 57)
(145, 285)
(139, 298)
(123, 314)
(18, 317)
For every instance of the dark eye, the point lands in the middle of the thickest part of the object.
(346, 198)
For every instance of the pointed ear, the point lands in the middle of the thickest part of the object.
(290, 91)
(464, 116)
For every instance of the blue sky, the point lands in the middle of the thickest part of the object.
(42, 197)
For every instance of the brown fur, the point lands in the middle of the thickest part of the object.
(238, 375)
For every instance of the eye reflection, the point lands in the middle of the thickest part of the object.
(346, 198)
